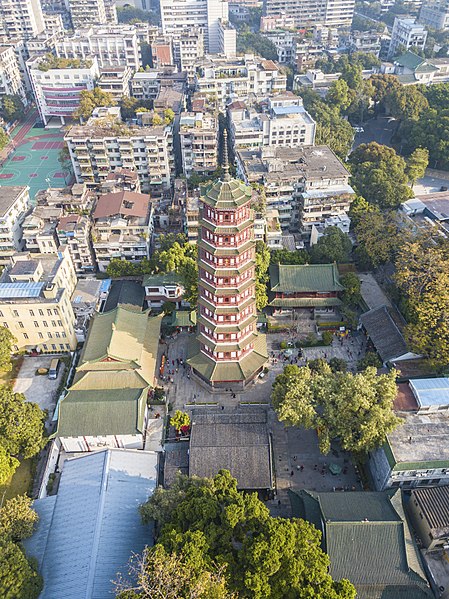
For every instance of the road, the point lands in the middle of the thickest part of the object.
(380, 130)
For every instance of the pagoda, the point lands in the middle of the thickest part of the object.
(228, 351)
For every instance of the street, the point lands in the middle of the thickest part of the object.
(380, 130)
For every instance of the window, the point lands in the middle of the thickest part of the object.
(45, 347)
(41, 312)
(58, 335)
(49, 312)
(40, 335)
(53, 323)
(36, 324)
(49, 335)
(45, 323)
(15, 313)
(25, 336)
(5, 324)
(31, 312)
(21, 325)
(53, 347)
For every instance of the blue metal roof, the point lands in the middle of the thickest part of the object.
(20, 289)
(105, 285)
(279, 110)
(88, 532)
(431, 392)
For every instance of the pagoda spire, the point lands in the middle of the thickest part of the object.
(226, 176)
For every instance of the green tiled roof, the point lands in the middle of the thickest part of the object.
(183, 318)
(305, 302)
(229, 371)
(416, 63)
(170, 278)
(368, 541)
(102, 412)
(226, 194)
(304, 278)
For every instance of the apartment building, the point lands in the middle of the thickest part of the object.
(187, 49)
(178, 15)
(73, 231)
(435, 14)
(229, 80)
(285, 123)
(198, 133)
(408, 34)
(22, 19)
(105, 144)
(57, 84)
(87, 12)
(332, 13)
(113, 46)
(35, 292)
(14, 204)
(123, 225)
(227, 39)
(145, 85)
(307, 185)
(115, 81)
(39, 230)
(10, 78)
(283, 40)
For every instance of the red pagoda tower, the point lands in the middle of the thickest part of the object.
(228, 350)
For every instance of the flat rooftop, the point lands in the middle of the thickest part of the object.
(8, 195)
(420, 442)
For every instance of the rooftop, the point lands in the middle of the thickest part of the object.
(384, 333)
(9, 194)
(123, 203)
(226, 194)
(238, 442)
(431, 392)
(434, 504)
(304, 278)
(87, 291)
(87, 532)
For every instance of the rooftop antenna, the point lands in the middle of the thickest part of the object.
(227, 176)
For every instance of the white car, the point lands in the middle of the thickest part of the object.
(359, 129)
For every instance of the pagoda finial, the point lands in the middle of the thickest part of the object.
(226, 176)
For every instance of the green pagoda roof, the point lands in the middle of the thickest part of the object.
(305, 302)
(293, 278)
(226, 194)
(183, 318)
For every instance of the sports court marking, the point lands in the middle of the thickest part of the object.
(18, 158)
(47, 145)
(32, 175)
(58, 175)
(44, 157)
(6, 175)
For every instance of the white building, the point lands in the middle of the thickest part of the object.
(408, 34)
(238, 79)
(21, 19)
(14, 204)
(106, 144)
(227, 39)
(187, 49)
(115, 81)
(123, 225)
(178, 15)
(435, 14)
(145, 85)
(87, 12)
(306, 13)
(57, 90)
(286, 123)
(198, 133)
(73, 230)
(10, 78)
(161, 288)
(113, 46)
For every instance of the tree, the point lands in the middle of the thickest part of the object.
(351, 294)
(417, 163)
(431, 131)
(181, 259)
(359, 207)
(6, 341)
(383, 86)
(209, 521)
(169, 116)
(128, 106)
(378, 174)
(8, 465)
(370, 359)
(339, 95)
(289, 257)
(407, 102)
(12, 107)
(379, 236)
(4, 139)
(89, 100)
(17, 519)
(332, 246)
(157, 120)
(171, 576)
(262, 264)
(356, 409)
(21, 424)
(180, 420)
(249, 42)
(18, 577)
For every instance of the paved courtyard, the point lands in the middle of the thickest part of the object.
(292, 447)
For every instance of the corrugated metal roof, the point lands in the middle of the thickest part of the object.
(94, 526)
(431, 392)
(12, 290)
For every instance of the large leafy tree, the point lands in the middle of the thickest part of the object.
(17, 519)
(422, 274)
(379, 237)
(407, 102)
(207, 521)
(332, 246)
(417, 163)
(4, 139)
(262, 264)
(18, 577)
(89, 100)
(378, 174)
(12, 107)
(357, 409)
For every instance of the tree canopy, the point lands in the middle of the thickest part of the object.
(332, 246)
(12, 107)
(17, 519)
(256, 43)
(6, 342)
(208, 522)
(89, 100)
(262, 264)
(357, 409)
(378, 174)
(18, 577)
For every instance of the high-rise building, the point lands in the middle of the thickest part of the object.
(406, 34)
(179, 15)
(10, 79)
(21, 18)
(228, 351)
(435, 14)
(87, 12)
(332, 13)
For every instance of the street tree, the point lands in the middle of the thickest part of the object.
(179, 420)
(378, 174)
(332, 246)
(356, 409)
(17, 519)
(417, 163)
(18, 577)
(6, 342)
(208, 521)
